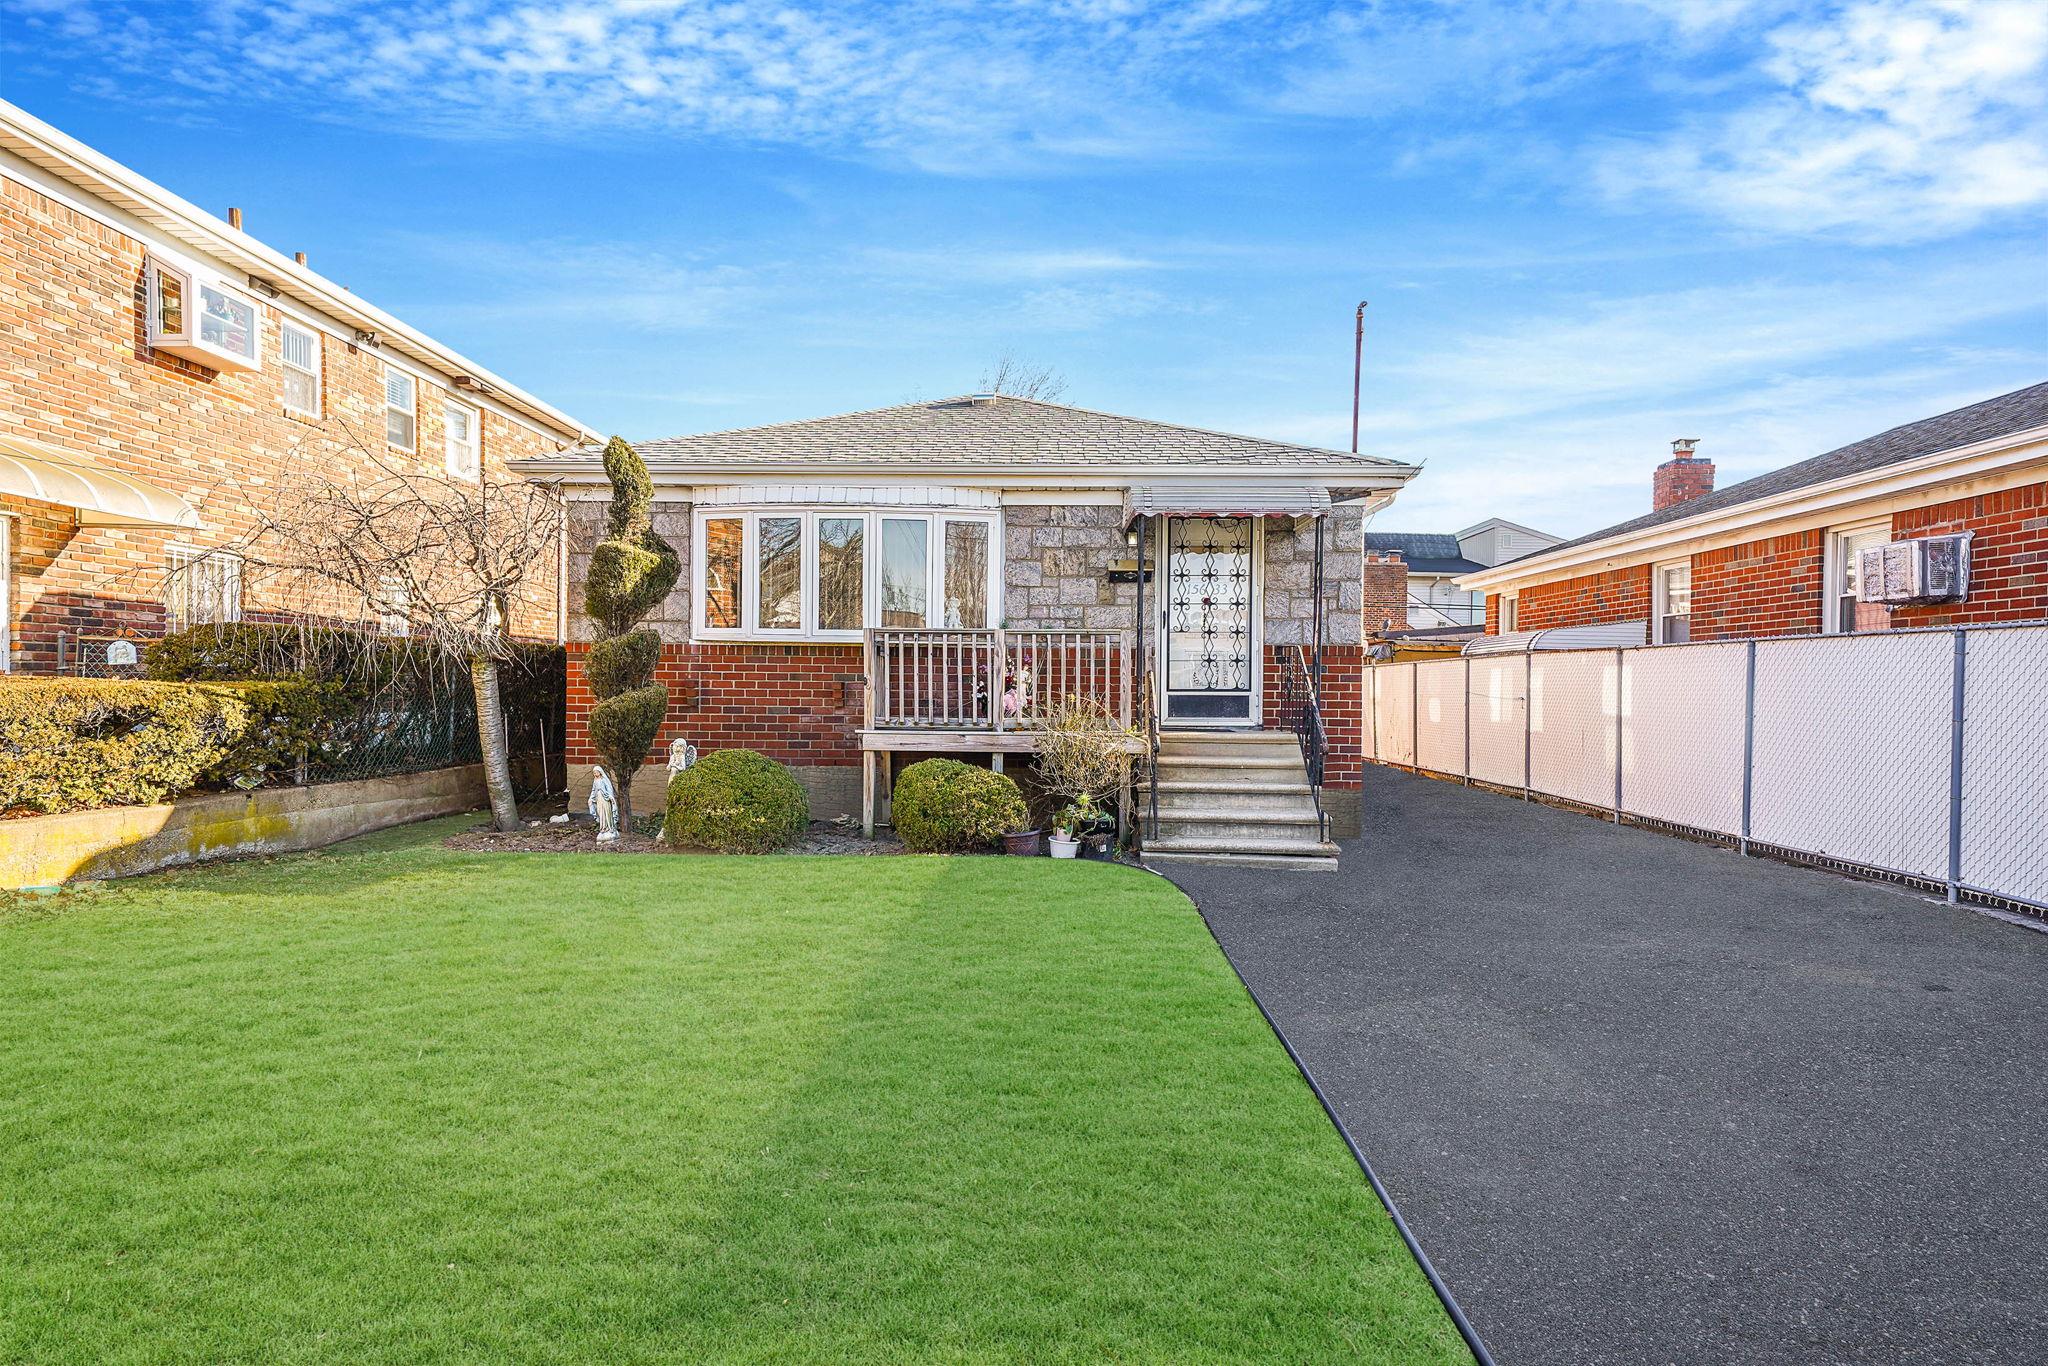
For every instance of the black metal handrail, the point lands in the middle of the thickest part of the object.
(1301, 710)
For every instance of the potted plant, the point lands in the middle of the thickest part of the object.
(1028, 843)
(1065, 842)
(1084, 757)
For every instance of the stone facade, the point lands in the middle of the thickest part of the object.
(1056, 569)
(671, 620)
(1289, 567)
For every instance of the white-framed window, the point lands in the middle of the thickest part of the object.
(793, 573)
(298, 356)
(401, 409)
(1841, 613)
(465, 440)
(1507, 613)
(194, 313)
(202, 588)
(1672, 585)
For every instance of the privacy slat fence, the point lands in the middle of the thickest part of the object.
(1921, 754)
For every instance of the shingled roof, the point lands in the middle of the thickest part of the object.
(1424, 552)
(983, 432)
(2005, 415)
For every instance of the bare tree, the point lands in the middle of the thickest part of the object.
(386, 545)
(1020, 380)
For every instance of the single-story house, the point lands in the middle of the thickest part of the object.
(866, 589)
(1940, 522)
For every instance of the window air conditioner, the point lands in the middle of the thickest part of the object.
(1929, 569)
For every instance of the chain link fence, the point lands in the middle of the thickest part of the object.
(1920, 756)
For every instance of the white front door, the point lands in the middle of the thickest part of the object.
(1209, 628)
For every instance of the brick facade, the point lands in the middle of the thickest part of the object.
(77, 373)
(2008, 556)
(1776, 585)
(1617, 595)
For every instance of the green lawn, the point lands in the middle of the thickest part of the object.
(393, 1103)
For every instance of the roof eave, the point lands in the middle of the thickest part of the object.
(1978, 457)
(587, 470)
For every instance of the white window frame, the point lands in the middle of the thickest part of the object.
(871, 566)
(286, 368)
(178, 615)
(1508, 613)
(1835, 571)
(188, 339)
(1660, 599)
(413, 381)
(473, 470)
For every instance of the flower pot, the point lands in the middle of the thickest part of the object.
(1096, 846)
(1062, 847)
(1025, 842)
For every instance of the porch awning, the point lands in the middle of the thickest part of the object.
(102, 497)
(1226, 498)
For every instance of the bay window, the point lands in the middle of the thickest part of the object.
(824, 574)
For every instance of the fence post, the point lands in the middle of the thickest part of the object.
(1528, 718)
(1466, 771)
(1955, 768)
(1415, 718)
(1748, 740)
(1620, 662)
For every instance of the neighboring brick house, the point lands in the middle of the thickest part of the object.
(1779, 554)
(936, 524)
(157, 364)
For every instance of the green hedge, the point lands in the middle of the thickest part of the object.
(737, 802)
(70, 744)
(942, 806)
(291, 722)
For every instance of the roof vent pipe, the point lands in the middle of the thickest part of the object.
(235, 219)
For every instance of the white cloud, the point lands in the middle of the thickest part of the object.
(1892, 120)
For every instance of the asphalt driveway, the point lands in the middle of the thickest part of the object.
(1645, 1100)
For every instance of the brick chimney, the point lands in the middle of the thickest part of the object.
(1682, 478)
(1385, 578)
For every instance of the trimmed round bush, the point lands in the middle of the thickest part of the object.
(943, 805)
(736, 802)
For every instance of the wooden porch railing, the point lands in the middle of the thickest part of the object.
(990, 680)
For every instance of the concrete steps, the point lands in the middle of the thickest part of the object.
(1237, 797)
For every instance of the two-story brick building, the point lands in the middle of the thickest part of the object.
(158, 367)
(1782, 554)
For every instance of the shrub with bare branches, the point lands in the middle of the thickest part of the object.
(1083, 751)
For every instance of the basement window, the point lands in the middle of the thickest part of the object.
(195, 314)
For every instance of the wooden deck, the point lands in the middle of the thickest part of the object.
(954, 691)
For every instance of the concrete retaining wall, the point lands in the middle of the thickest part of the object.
(119, 841)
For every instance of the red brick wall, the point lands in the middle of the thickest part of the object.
(2008, 556)
(1617, 595)
(1493, 614)
(797, 704)
(76, 372)
(1770, 587)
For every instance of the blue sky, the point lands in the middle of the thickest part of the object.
(1585, 226)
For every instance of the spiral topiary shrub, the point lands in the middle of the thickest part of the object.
(736, 802)
(631, 570)
(943, 806)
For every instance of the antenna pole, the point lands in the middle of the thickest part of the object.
(1357, 371)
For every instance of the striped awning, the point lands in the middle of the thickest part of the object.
(1226, 498)
(101, 497)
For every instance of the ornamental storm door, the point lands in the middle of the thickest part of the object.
(1209, 626)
